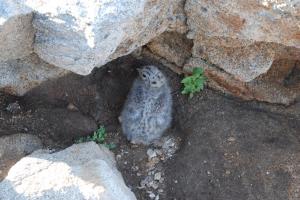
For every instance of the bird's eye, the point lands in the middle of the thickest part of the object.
(153, 82)
(144, 75)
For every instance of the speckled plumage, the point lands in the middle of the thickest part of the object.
(148, 108)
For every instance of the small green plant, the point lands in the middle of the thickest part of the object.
(98, 136)
(194, 83)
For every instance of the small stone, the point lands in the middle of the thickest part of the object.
(158, 152)
(175, 181)
(145, 182)
(151, 154)
(170, 146)
(227, 172)
(72, 107)
(13, 107)
(149, 173)
(208, 172)
(125, 163)
(118, 157)
(160, 190)
(153, 184)
(134, 145)
(152, 195)
(161, 180)
(138, 174)
(231, 139)
(157, 176)
(135, 168)
(157, 197)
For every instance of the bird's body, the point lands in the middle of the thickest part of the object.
(147, 110)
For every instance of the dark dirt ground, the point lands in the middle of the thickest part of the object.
(230, 149)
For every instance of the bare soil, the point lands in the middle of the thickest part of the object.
(229, 150)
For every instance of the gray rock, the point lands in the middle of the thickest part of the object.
(16, 30)
(14, 147)
(19, 76)
(82, 171)
(79, 35)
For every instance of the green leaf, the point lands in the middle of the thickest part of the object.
(187, 80)
(98, 136)
(197, 71)
(193, 83)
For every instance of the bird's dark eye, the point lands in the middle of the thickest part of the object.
(154, 82)
(144, 75)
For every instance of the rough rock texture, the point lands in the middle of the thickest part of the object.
(20, 69)
(82, 171)
(16, 30)
(17, 76)
(244, 38)
(79, 35)
(172, 46)
(270, 87)
(14, 147)
(246, 42)
(76, 35)
(267, 21)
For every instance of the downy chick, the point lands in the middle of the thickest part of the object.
(148, 108)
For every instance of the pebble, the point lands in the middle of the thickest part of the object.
(170, 146)
(157, 176)
(154, 185)
(161, 180)
(72, 107)
(157, 197)
(231, 139)
(151, 154)
(135, 168)
(150, 173)
(13, 107)
(145, 181)
(158, 152)
(151, 195)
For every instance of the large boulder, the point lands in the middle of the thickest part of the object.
(16, 30)
(14, 147)
(79, 35)
(75, 35)
(20, 69)
(82, 171)
(243, 38)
